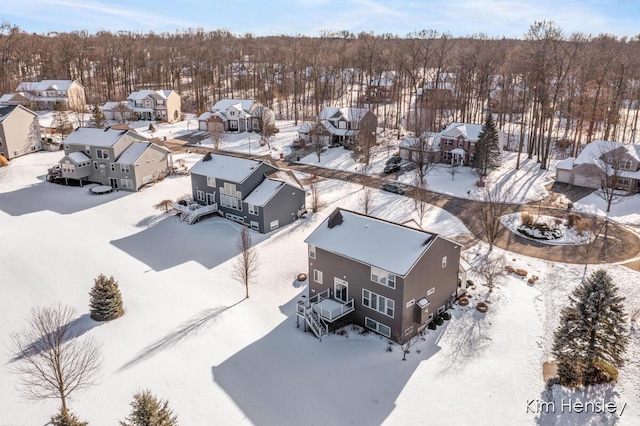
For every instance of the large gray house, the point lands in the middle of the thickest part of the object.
(387, 277)
(122, 159)
(251, 192)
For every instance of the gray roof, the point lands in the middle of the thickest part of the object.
(385, 245)
(231, 169)
(133, 152)
(264, 192)
(104, 138)
(79, 157)
(5, 111)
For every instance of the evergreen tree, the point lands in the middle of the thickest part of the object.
(592, 336)
(147, 410)
(67, 419)
(61, 121)
(487, 151)
(106, 301)
(98, 118)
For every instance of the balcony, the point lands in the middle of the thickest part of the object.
(328, 308)
(191, 211)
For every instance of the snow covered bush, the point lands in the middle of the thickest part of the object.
(105, 299)
(147, 410)
(66, 419)
(540, 231)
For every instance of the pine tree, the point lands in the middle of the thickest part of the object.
(98, 118)
(592, 336)
(106, 301)
(487, 151)
(66, 419)
(147, 410)
(61, 121)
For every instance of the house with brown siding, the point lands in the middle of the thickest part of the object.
(384, 276)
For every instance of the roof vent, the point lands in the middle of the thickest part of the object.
(335, 219)
(207, 157)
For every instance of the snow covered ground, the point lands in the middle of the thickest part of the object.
(188, 335)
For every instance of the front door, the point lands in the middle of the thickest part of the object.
(340, 289)
(211, 198)
(113, 182)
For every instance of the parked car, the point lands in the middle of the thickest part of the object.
(390, 168)
(392, 187)
(394, 160)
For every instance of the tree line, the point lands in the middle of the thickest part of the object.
(552, 86)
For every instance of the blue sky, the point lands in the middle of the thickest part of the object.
(495, 18)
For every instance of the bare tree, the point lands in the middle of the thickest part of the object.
(366, 196)
(316, 203)
(366, 137)
(216, 131)
(492, 206)
(317, 134)
(423, 154)
(453, 169)
(406, 346)
(51, 361)
(246, 265)
(165, 205)
(420, 198)
(613, 160)
(491, 267)
(588, 248)
(80, 112)
(122, 113)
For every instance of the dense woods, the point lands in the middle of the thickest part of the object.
(556, 90)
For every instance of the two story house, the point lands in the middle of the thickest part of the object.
(120, 158)
(254, 193)
(341, 126)
(455, 144)
(387, 277)
(600, 160)
(46, 94)
(19, 131)
(161, 105)
(238, 115)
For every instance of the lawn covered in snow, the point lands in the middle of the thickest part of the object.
(190, 337)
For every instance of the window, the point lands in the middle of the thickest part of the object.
(383, 277)
(211, 181)
(255, 226)
(273, 225)
(447, 142)
(377, 327)
(124, 168)
(199, 195)
(408, 331)
(95, 165)
(126, 183)
(235, 217)
(410, 303)
(229, 189)
(431, 291)
(444, 262)
(378, 303)
(113, 167)
(312, 251)
(625, 165)
(253, 209)
(441, 309)
(430, 318)
(147, 179)
(232, 113)
(102, 153)
(317, 276)
(87, 150)
(231, 202)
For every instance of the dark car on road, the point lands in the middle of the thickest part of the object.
(390, 168)
(392, 187)
(394, 160)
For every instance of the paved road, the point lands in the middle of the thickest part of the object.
(615, 244)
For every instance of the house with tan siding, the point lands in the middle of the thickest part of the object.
(19, 131)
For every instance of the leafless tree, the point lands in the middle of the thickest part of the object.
(318, 136)
(246, 265)
(420, 198)
(424, 155)
(366, 195)
(51, 360)
(406, 346)
(453, 169)
(366, 139)
(492, 205)
(491, 267)
(165, 205)
(613, 161)
(79, 113)
(216, 131)
(588, 248)
(122, 113)
(316, 202)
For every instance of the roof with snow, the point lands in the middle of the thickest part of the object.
(468, 130)
(367, 240)
(155, 94)
(592, 152)
(232, 169)
(44, 85)
(566, 164)
(5, 111)
(430, 140)
(286, 176)
(79, 157)
(108, 106)
(91, 136)
(264, 192)
(133, 152)
(224, 104)
(349, 114)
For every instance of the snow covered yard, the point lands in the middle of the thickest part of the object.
(188, 335)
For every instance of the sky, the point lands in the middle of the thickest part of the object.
(494, 18)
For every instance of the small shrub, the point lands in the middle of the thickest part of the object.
(522, 272)
(68, 419)
(482, 307)
(463, 301)
(581, 227)
(573, 219)
(389, 348)
(364, 331)
(535, 277)
(446, 316)
(531, 281)
(342, 332)
(526, 218)
(439, 320)
(146, 409)
(469, 283)
(510, 269)
(606, 372)
(557, 221)
(432, 325)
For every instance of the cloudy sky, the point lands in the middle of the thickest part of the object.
(495, 18)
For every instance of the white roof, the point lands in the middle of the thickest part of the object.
(224, 104)
(566, 164)
(232, 169)
(45, 85)
(431, 141)
(264, 192)
(468, 130)
(7, 97)
(349, 114)
(592, 152)
(286, 177)
(156, 94)
(95, 137)
(133, 152)
(108, 106)
(79, 157)
(385, 245)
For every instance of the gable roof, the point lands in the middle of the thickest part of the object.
(349, 114)
(592, 152)
(225, 167)
(155, 94)
(5, 111)
(44, 85)
(385, 245)
(224, 104)
(78, 157)
(468, 130)
(133, 152)
(104, 138)
(264, 192)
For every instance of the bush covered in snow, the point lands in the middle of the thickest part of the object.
(540, 231)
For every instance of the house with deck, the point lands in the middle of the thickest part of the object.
(121, 159)
(389, 278)
(254, 193)
(19, 131)
(238, 115)
(599, 160)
